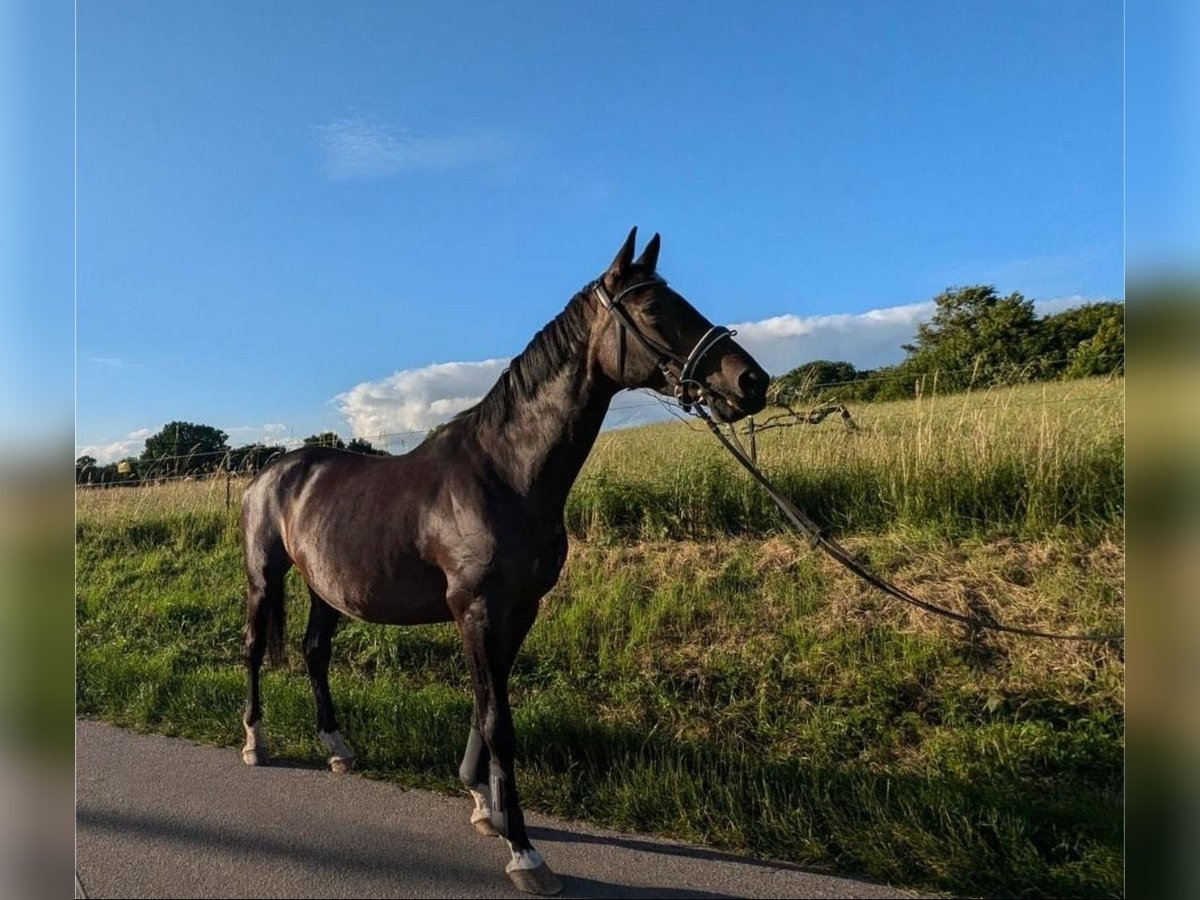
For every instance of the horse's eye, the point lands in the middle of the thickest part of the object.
(653, 307)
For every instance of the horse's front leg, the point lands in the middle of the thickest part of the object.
(491, 642)
(473, 773)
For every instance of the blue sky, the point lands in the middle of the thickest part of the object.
(283, 204)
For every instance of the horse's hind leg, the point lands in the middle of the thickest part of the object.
(264, 630)
(318, 645)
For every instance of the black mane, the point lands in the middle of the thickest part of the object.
(557, 341)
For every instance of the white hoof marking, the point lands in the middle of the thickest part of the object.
(524, 859)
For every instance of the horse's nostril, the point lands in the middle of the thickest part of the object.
(752, 382)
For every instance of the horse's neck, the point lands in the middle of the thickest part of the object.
(545, 440)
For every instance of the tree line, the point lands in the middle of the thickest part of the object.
(976, 338)
(193, 449)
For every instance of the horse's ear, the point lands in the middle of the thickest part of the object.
(623, 260)
(649, 257)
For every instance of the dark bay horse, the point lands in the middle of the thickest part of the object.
(468, 527)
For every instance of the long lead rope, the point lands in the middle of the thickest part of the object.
(684, 384)
(843, 556)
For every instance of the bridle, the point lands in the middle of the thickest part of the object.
(685, 382)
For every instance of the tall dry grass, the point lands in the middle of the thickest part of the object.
(1028, 459)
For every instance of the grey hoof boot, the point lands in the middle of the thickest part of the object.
(341, 764)
(254, 751)
(536, 881)
(341, 757)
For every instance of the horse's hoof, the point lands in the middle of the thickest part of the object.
(341, 764)
(254, 756)
(483, 823)
(536, 881)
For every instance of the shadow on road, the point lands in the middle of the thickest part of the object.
(241, 842)
(366, 858)
(555, 835)
(589, 887)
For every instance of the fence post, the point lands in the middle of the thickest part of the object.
(753, 442)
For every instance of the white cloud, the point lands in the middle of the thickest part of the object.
(357, 148)
(867, 339)
(131, 445)
(106, 453)
(418, 399)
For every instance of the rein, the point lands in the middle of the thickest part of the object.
(843, 556)
(684, 384)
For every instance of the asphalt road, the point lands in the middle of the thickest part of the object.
(161, 817)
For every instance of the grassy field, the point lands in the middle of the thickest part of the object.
(699, 673)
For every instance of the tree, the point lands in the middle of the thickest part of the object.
(1101, 354)
(325, 439)
(184, 447)
(1085, 340)
(362, 445)
(976, 337)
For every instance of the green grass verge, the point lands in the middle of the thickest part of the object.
(741, 692)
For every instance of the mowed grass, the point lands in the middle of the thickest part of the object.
(732, 687)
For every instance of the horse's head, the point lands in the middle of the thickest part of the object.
(650, 336)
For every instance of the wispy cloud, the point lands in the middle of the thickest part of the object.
(418, 399)
(358, 149)
(111, 362)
